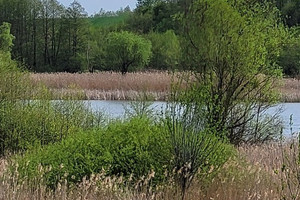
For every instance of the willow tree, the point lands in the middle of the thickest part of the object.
(232, 46)
(127, 50)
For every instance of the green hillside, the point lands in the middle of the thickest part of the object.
(108, 21)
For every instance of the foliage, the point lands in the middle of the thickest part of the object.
(165, 49)
(27, 114)
(137, 147)
(96, 54)
(155, 15)
(108, 21)
(6, 39)
(289, 57)
(233, 48)
(50, 37)
(198, 151)
(77, 156)
(127, 51)
(25, 123)
(47, 35)
(132, 148)
(140, 23)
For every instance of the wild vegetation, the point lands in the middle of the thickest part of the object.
(114, 86)
(107, 85)
(256, 173)
(204, 145)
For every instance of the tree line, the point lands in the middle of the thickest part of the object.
(48, 36)
(52, 38)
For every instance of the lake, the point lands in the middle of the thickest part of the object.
(117, 109)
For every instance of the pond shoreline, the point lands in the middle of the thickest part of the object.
(131, 95)
(154, 86)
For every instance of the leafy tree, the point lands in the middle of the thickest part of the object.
(6, 39)
(140, 22)
(49, 37)
(289, 58)
(76, 13)
(127, 50)
(165, 49)
(155, 15)
(96, 54)
(233, 48)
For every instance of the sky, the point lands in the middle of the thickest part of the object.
(93, 6)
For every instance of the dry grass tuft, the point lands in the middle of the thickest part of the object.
(255, 174)
(290, 90)
(260, 176)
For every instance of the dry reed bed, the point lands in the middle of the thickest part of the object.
(108, 85)
(290, 90)
(156, 81)
(255, 174)
(114, 86)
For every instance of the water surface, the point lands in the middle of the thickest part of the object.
(117, 109)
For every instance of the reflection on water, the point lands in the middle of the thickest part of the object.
(117, 109)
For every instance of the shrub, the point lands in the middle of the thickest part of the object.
(24, 123)
(78, 156)
(133, 147)
(196, 149)
(137, 147)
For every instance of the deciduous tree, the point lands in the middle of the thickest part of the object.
(127, 50)
(233, 48)
(166, 50)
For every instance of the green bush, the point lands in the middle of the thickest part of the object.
(165, 49)
(137, 147)
(197, 150)
(78, 156)
(134, 147)
(25, 123)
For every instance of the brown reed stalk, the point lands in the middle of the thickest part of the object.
(114, 86)
(255, 174)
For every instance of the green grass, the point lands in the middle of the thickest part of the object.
(108, 21)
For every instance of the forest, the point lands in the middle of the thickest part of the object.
(52, 38)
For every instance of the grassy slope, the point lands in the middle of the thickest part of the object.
(108, 21)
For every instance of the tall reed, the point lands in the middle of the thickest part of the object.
(114, 86)
(254, 174)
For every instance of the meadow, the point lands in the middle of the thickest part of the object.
(114, 86)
